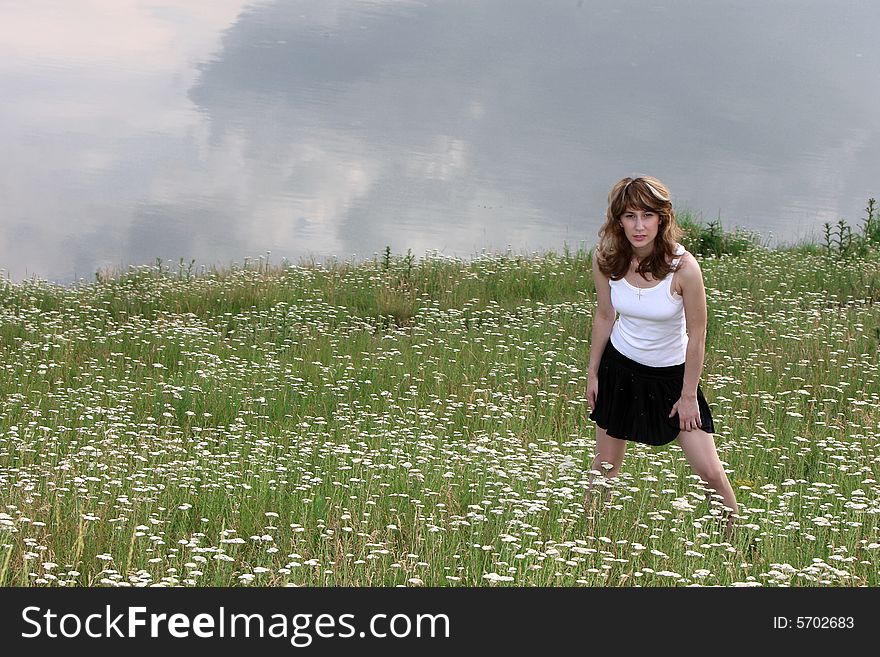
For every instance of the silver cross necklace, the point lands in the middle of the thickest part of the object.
(638, 286)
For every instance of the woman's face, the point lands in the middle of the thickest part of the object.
(640, 227)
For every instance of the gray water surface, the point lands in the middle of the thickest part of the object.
(141, 129)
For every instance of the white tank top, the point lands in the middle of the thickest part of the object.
(650, 328)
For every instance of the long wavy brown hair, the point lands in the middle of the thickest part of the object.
(615, 251)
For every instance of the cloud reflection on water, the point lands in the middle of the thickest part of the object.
(340, 127)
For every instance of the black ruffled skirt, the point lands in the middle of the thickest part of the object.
(634, 400)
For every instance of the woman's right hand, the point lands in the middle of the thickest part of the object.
(592, 391)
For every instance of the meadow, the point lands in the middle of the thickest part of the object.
(422, 422)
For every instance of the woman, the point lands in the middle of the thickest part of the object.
(645, 366)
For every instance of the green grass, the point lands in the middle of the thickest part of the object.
(415, 422)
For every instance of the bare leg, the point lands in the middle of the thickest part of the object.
(699, 448)
(609, 452)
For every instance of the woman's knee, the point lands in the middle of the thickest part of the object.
(606, 467)
(699, 448)
(712, 473)
(609, 453)
(608, 462)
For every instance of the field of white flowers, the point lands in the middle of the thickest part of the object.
(423, 423)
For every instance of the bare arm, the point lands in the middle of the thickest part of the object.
(693, 294)
(603, 321)
(695, 313)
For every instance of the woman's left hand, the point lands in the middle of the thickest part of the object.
(688, 413)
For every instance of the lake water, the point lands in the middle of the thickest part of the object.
(133, 130)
